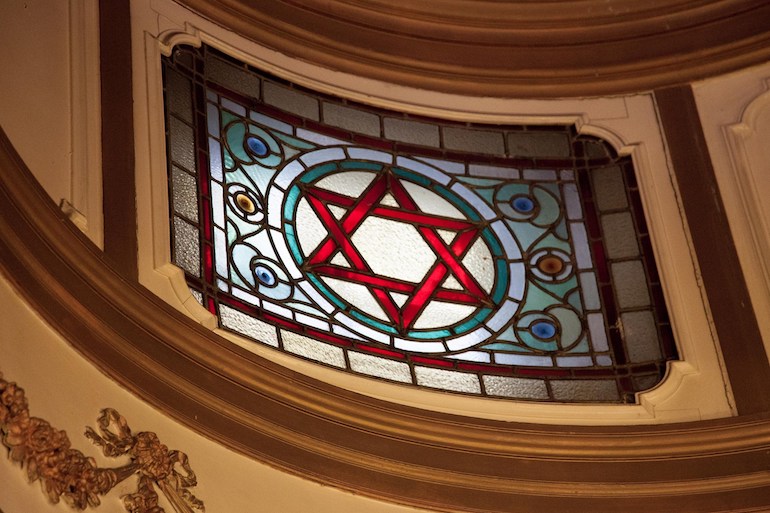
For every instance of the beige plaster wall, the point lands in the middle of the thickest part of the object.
(66, 390)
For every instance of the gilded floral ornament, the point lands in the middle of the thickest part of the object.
(66, 473)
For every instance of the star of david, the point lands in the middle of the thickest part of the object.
(448, 261)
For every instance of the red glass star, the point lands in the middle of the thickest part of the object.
(448, 256)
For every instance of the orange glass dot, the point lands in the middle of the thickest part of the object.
(550, 265)
(245, 203)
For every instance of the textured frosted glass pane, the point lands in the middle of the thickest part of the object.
(431, 203)
(235, 78)
(179, 99)
(182, 148)
(351, 119)
(412, 132)
(352, 183)
(584, 390)
(539, 144)
(478, 261)
(476, 141)
(609, 190)
(376, 366)
(185, 193)
(630, 284)
(313, 349)
(358, 296)
(641, 336)
(619, 235)
(540, 174)
(394, 249)
(438, 314)
(291, 100)
(515, 387)
(186, 247)
(447, 380)
(248, 325)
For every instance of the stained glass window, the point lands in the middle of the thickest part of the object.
(505, 261)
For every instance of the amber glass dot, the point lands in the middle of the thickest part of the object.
(550, 265)
(245, 203)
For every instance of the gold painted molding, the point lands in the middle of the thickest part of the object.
(368, 446)
(66, 473)
(523, 49)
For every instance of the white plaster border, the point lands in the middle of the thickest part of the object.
(694, 389)
(735, 112)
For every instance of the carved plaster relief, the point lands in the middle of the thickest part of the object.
(66, 473)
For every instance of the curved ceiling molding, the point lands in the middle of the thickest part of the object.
(515, 49)
(337, 437)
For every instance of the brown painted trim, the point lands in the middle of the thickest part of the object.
(513, 49)
(334, 436)
(734, 318)
(119, 188)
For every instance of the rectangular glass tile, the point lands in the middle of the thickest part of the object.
(584, 390)
(580, 242)
(187, 252)
(218, 204)
(184, 190)
(380, 367)
(215, 160)
(182, 144)
(641, 336)
(590, 291)
(493, 171)
(609, 189)
(598, 332)
(447, 380)
(248, 325)
(571, 198)
(630, 284)
(522, 388)
(312, 349)
(235, 78)
(250, 299)
(541, 175)
(456, 168)
(620, 235)
(179, 95)
(525, 360)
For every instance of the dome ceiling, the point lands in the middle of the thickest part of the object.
(516, 49)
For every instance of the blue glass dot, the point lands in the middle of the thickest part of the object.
(543, 329)
(265, 275)
(523, 204)
(257, 146)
